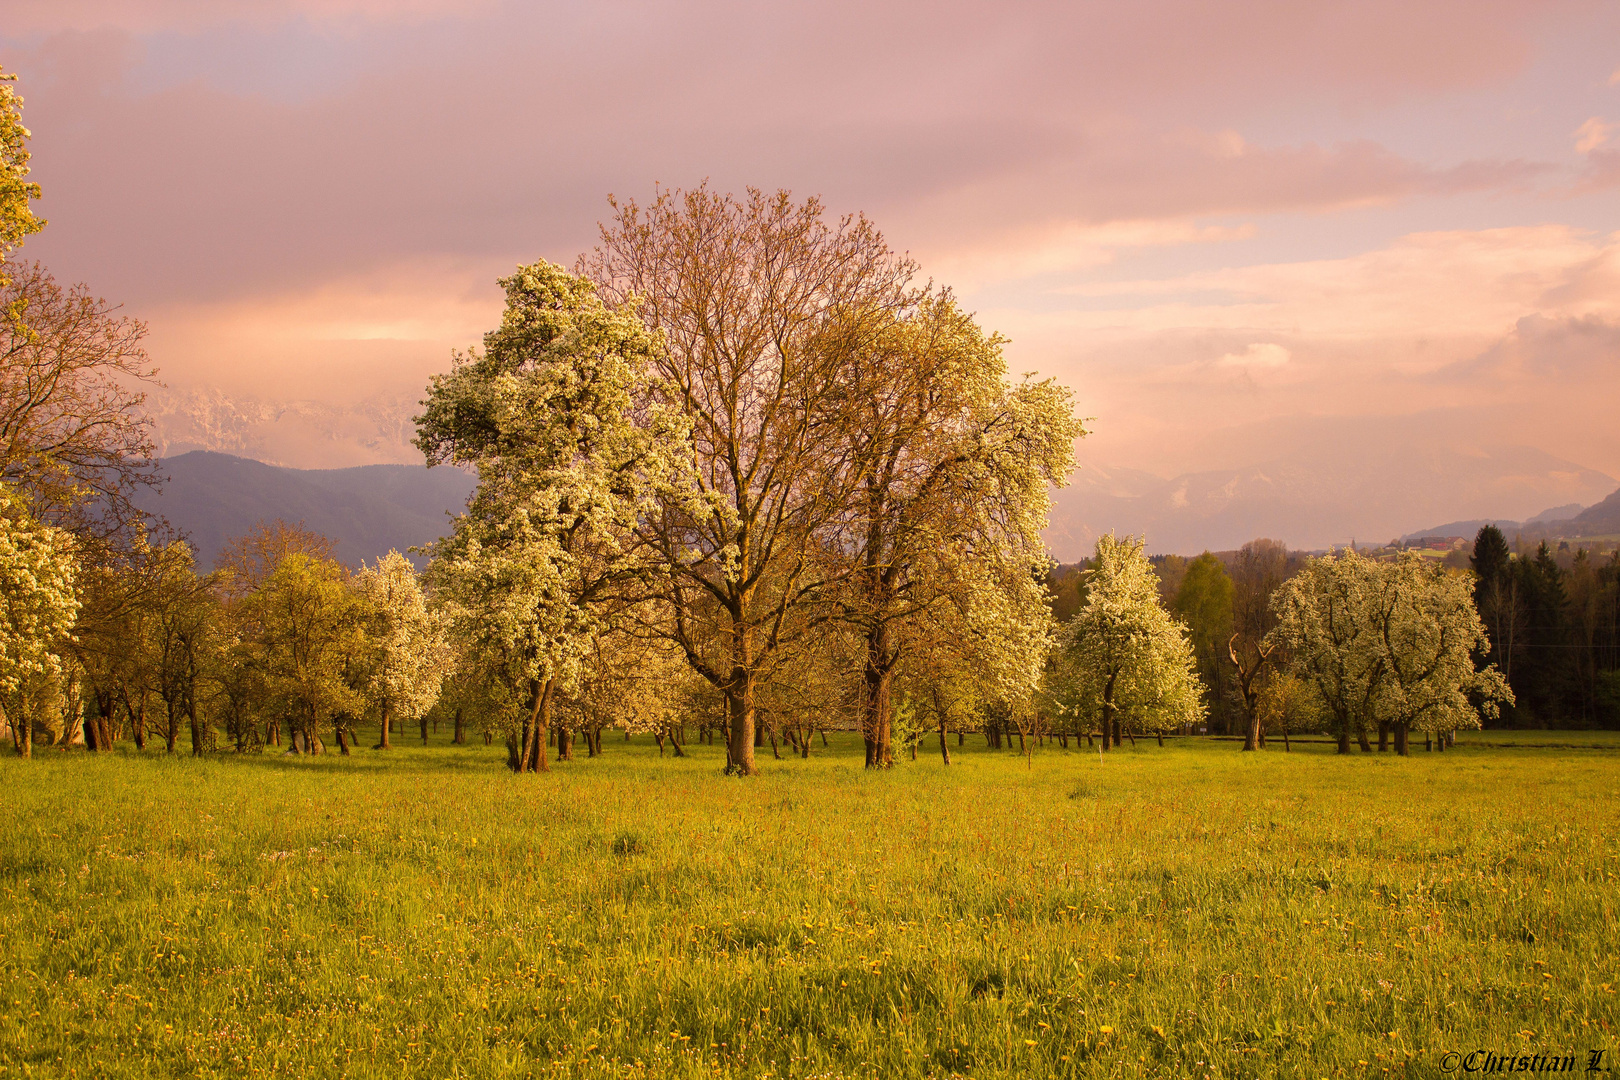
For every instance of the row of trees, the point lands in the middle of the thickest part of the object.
(735, 468)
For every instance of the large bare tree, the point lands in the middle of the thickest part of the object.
(743, 292)
(73, 435)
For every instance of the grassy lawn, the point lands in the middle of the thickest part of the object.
(1185, 911)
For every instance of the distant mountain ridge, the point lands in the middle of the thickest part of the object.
(1326, 499)
(1572, 521)
(367, 509)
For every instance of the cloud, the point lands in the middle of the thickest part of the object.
(1257, 355)
(1592, 134)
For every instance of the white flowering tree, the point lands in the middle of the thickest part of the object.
(1387, 645)
(1431, 631)
(1123, 657)
(38, 606)
(408, 656)
(568, 461)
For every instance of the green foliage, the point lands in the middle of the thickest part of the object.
(1203, 601)
(309, 641)
(1197, 911)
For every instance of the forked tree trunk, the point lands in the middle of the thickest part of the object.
(532, 751)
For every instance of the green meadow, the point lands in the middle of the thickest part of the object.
(1183, 911)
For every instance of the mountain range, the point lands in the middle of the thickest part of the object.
(369, 509)
(1572, 521)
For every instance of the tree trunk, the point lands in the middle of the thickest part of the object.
(342, 740)
(386, 724)
(1402, 740)
(939, 710)
(533, 756)
(1160, 734)
(740, 713)
(775, 749)
(1251, 734)
(460, 738)
(1383, 736)
(423, 720)
(196, 726)
(137, 721)
(877, 682)
(1286, 747)
(1344, 736)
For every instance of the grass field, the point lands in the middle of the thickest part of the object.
(1186, 911)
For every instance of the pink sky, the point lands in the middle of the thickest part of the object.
(1233, 230)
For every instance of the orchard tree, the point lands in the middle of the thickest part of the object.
(947, 470)
(38, 607)
(1326, 619)
(1123, 654)
(553, 414)
(1387, 644)
(183, 644)
(309, 638)
(1430, 633)
(753, 301)
(408, 657)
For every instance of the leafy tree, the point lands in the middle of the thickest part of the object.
(38, 607)
(1257, 571)
(1543, 667)
(947, 468)
(1325, 618)
(1203, 601)
(17, 219)
(182, 625)
(1124, 655)
(308, 634)
(408, 657)
(569, 459)
(752, 300)
(1287, 704)
(1496, 595)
